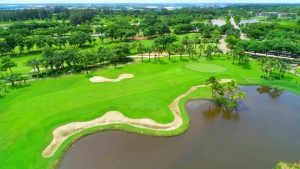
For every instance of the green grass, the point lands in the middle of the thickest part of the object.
(298, 70)
(30, 114)
(206, 68)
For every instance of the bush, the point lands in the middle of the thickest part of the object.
(284, 165)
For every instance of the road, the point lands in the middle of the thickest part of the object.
(233, 23)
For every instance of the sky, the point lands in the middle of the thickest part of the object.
(149, 1)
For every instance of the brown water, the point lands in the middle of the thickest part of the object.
(265, 130)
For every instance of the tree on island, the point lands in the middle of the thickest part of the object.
(225, 94)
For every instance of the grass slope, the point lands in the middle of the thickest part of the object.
(29, 115)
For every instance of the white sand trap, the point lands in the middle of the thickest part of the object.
(62, 133)
(101, 79)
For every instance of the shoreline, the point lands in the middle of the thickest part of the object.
(61, 134)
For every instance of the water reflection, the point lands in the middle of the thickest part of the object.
(262, 132)
(213, 111)
(272, 92)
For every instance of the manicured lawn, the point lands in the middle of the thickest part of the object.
(298, 70)
(206, 68)
(21, 60)
(29, 115)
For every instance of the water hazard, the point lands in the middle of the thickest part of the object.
(265, 130)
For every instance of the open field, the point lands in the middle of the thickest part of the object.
(38, 109)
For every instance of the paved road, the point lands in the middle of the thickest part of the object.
(233, 23)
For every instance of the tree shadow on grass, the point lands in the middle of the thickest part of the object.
(87, 46)
(194, 59)
(88, 75)
(174, 61)
(184, 60)
(16, 55)
(247, 66)
(162, 62)
(18, 86)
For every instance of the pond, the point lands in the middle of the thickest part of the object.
(265, 130)
(248, 21)
(218, 22)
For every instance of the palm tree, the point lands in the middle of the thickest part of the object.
(35, 64)
(213, 82)
(230, 88)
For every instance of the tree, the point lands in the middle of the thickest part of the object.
(141, 49)
(170, 50)
(13, 40)
(71, 57)
(48, 57)
(149, 31)
(35, 64)
(60, 41)
(165, 40)
(7, 63)
(29, 43)
(79, 16)
(3, 88)
(12, 79)
(4, 48)
(114, 58)
(163, 29)
(237, 53)
(190, 50)
(185, 41)
(49, 41)
(86, 59)
(274, 68)
(80, 38)
(157, 49)
(208, 51)
(181, 50)
(149, 51)
(40, 42)
(121, 51)
(226, 94)
(213, 82)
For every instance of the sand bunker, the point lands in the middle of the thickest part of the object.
(62, 133)
(101, 79)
